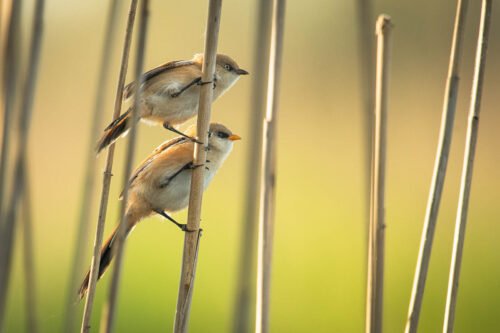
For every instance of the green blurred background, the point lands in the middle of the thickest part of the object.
(319, 255)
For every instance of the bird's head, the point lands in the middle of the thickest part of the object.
(220, 138)
(227, 71)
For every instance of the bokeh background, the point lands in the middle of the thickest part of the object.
(319, 256)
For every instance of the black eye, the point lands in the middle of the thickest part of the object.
(222, 135)
(228, 67)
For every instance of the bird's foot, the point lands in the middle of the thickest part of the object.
(169, 127)
(184, 228)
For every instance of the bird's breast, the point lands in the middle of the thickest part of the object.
(160, 104)
(175, 195)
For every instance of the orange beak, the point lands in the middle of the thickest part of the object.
(234, 137)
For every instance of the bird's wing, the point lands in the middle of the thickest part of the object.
(129, 88)
(179, 160)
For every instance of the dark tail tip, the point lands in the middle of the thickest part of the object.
(117, 128)
(85, 285)
(106, 257)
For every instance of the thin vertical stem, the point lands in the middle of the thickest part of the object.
(376, 246)
(29, 257)
(106, 182)
(366, 77)
(120, 235)
(445, 136)
(88, 185)
(19, 181)
(470, 150)
(366, 56)
(192, 239)
(10, 79)
(244, 294)
(268, 169)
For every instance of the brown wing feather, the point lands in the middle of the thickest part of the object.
(129, 88)
(157, 153)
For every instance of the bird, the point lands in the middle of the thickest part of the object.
(170, 94)
(161, 184)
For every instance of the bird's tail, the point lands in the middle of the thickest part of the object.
(107, 253)
(117, 128)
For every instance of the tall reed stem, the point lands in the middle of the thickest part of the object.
(470, 151)
(109, 320)
(29, 256)
(268, 169)
(106, 182)
(244, 289)
(10, 78)
(9, 85)
(88, 187)
(192, 239)
(445, 136)
(376, 248)
(366, 57)
(28, 93)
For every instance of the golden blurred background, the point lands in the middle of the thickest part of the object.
(319, 254)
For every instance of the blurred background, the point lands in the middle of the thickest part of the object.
(320, 253)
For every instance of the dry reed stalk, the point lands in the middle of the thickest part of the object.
(445, 135)
(109, 320)
(366, 77)
(376, 248)
(28, 93)
(10, 78)
(88, 185)
(268, 169)
(366, 56)
(9, 86)
(244, 288)
(192, 239)
(106, 183)
(468, 164)
(29, 257)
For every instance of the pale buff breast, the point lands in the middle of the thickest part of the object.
(175, 196)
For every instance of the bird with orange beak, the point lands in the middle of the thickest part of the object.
(161, 184)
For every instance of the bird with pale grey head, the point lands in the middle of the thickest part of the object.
(170, 94)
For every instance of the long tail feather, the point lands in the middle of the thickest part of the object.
(106, 257)
(117, 128)
(107, 253)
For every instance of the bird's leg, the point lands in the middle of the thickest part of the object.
(171, 128)
(181, 226)
(193, 166)
(200, 83)
(189, 85)
(189, 166)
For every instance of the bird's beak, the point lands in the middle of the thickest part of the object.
(234, 137)
(240, 71)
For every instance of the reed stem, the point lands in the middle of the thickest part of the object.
(244, 289)
(376, 247)
(268, 169)
(28, 93)
(366, 57)
(192, 239)
(468, 164)
(131, 143)
(106, 181)
(9, 77)
(440, 165)
(29, 257)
